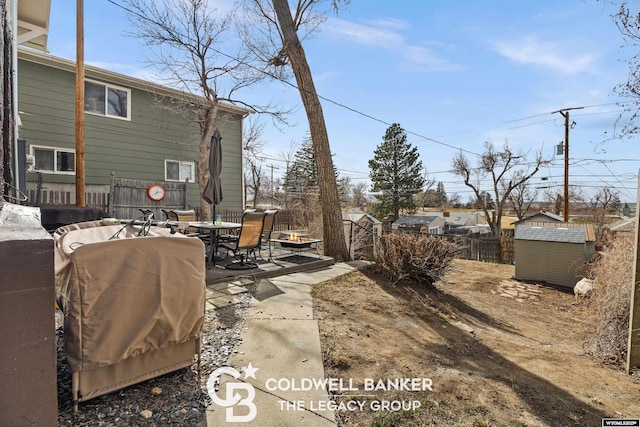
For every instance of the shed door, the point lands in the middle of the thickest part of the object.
(552, 262)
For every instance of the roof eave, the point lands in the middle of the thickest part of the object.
(92, 72)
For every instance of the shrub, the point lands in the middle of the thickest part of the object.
(608, 306)
(421, 259)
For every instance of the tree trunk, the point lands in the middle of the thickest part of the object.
(332, 228)
(207, 126)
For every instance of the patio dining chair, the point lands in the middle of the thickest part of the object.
(187, 215)
(249, 238)
(267, 230)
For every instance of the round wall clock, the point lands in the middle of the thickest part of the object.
(156, 192)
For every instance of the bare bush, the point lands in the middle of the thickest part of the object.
(608, 307)
(420, 259)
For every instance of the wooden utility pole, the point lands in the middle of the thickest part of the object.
(272, 189)
(80, 103)
(633, 348)
(565, 114)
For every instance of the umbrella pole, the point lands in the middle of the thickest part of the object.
(214, 237)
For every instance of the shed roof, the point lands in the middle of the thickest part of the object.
(554, 232)
(357, 216)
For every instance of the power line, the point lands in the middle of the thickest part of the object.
(366, 115)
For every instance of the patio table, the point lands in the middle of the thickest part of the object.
(213, 233)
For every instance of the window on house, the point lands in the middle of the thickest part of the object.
(107, 100)
(175, 170)
(54, 160)
(433, 230)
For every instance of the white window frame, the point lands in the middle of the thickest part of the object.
(190, 163)
(108, 86)
(32, 151)
(434, 230)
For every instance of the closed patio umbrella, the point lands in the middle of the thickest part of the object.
(213, 190)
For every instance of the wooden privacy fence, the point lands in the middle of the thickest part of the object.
(487, 249)
(38, 194)
(283, 221)
(128, 196)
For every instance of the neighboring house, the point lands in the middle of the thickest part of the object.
(470, 230)
(541, 217)
(554, 253)
(362, 233)
(427, 224)
(126, 131)
(459, 219)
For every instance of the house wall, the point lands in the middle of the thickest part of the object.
(557, 263)
(131, 149)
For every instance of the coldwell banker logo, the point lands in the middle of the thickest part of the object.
(238, 394)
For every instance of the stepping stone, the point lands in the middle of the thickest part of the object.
(224, 301)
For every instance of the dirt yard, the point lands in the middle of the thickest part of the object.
(498, 352)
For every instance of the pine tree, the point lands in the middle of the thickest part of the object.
(301, 184)
(301, 178)
(396, 174)
(441, 195)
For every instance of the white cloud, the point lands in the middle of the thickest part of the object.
(529, 50)
(390, 23)
(415, 58)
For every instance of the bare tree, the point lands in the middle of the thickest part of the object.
(281, 33)
(628, 23)
(253, 145)
(521, 198)
(358, 194)
(182, 36)
(556, 200)
(605, 201)
(506, 170)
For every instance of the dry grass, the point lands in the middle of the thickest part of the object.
(608, 306)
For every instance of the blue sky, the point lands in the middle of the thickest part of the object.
(453, 74)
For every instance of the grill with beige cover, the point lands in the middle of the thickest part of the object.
(133, 304)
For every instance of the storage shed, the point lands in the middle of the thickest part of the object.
(554, 253)
(362, 233)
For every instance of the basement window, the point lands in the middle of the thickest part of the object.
(54, 160)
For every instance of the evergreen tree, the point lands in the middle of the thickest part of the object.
(396, 173)
(441, 195)
(301, 184)
(301, 178)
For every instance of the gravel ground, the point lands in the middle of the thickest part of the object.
(172, 399)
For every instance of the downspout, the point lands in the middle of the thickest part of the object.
(244, 189)
(14, 95)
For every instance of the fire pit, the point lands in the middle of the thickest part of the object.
(294, 240)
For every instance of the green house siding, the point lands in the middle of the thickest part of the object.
(135, 148)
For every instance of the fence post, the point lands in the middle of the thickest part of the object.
(39, 189)
(111, 193)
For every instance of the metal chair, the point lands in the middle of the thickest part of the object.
(186, 216)
(267, 230)
(248, 241)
